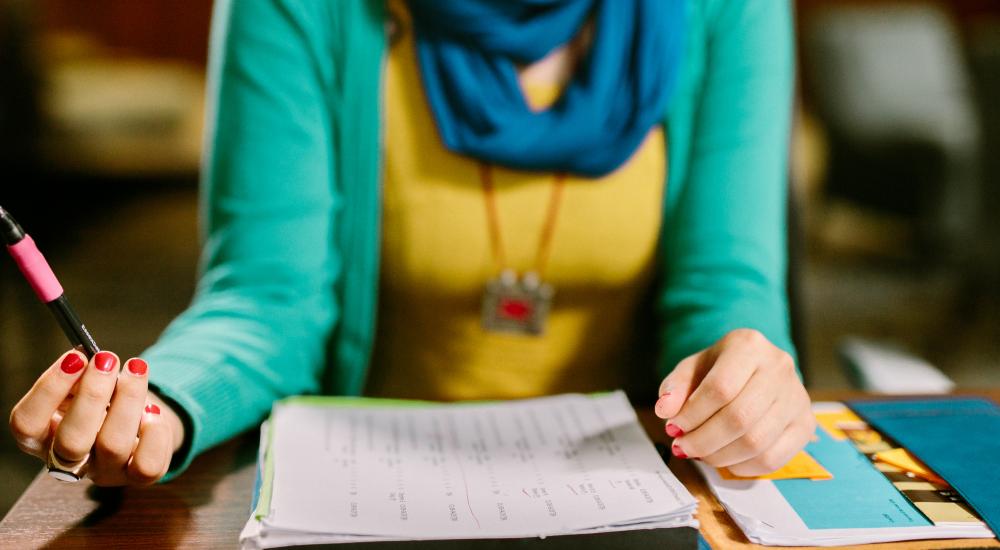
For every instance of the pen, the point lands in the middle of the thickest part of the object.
(43, 281)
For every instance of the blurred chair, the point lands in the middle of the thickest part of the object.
(985, 61)
(891, 85)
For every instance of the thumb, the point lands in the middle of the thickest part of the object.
(678, 385)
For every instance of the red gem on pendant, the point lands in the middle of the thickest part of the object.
(516, 310)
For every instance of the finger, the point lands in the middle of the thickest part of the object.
(30, 419)
(116, 440)
(152, 455)
(789, 444)
(678, 385)
(752, 412)
(78, 429)
(757, 440)
(736, 362)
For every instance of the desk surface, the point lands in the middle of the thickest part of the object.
(208, 505)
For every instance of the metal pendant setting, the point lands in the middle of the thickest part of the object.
(517, 305)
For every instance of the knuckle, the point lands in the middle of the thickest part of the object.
(130, 389)
(756, 441)
(693, 448)
(112, 448)
(769, 462)
(30, 446)
(784, 362)
(721, 390)
(47, 391)
(712, 461)
(739, 419)
(144, 469)
(92, 393)
(71, 445)
(745, 337)
(20, 425)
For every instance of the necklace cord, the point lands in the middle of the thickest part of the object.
(493, 220)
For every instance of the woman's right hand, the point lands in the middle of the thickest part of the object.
(89, 411)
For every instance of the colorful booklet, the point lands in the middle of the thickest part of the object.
(956, 439)
(875, 491)
(357, 470)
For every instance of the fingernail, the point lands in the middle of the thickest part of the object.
(104, 361)
(152, 409)
(678, 452)
(137, 366)
(674, 431)
(72, 363)
(661, 403)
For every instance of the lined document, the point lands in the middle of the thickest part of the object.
(400, 470)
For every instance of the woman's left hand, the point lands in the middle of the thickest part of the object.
(738, 404)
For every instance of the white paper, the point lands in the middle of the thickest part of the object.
(883, 369)
(533, 467)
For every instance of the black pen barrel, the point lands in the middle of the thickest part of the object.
(9, 228)
(72, 326)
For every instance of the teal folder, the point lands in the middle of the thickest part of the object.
(865, 497)
(957, 438)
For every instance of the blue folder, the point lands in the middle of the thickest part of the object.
(957, 438)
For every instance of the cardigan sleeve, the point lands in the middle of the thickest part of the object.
(258, 326)
(724, 239)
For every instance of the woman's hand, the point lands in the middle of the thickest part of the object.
(738, 404)
(92, 413)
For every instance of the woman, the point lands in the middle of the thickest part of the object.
(470, 199)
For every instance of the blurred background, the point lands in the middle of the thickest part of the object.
(895, 179)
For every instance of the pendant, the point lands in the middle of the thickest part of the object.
(516, 305)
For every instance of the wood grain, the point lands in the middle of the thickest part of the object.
(208, 505)
(204, 508)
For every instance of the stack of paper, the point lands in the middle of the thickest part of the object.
(351, 470)
(875, 493)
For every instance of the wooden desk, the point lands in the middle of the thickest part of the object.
(208, 505)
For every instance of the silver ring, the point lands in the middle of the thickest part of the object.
(62, 471)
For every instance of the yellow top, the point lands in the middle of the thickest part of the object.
(437, 258)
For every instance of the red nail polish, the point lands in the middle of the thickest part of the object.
(678, 452)
(137, 366)
(72, 363)
(104, 361)
(152, 409)
(674, 431)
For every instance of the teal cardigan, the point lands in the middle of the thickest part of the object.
(291, 195)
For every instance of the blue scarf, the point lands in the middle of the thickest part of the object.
(468, 50)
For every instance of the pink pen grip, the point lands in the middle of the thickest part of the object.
(35, 269)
